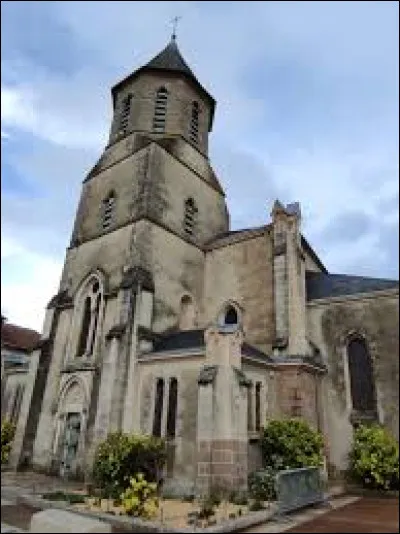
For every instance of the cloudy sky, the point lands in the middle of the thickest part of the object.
(307, 110)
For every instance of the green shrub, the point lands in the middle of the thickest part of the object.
(238, 497)
(140, 499)
(262, 484)
(256, 505)
(122, 456)
(374, 458)
(7, 436)
(291, 443)
(207, 509)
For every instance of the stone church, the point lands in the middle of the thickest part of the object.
(166, 322)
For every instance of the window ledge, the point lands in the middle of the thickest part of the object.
(84, 365)
(253, 436)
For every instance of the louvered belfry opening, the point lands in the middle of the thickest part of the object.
(194, 123)
(125, 114)
(190, 216)
(108, 211)
(160, 110)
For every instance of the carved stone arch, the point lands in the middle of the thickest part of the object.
(73, 383)
(89, 307)
(70, 423)
(94, 274)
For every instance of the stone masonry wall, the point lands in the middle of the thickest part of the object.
(376, 317)
(242, 272)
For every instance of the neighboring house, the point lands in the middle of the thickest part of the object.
(167, 322)
(16, 345)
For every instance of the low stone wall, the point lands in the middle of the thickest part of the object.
(62, 521)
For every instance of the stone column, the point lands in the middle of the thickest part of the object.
(289, 280)
(28, 415)
(18, 441)
(222, 414)
(142, 317)
(106, 390)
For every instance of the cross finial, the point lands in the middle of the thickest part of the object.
(174, 25)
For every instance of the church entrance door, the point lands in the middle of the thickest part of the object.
(70, 442)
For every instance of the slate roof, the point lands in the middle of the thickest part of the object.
(185, 339)
(170, 59)
(18, 338)
(194, 339)
(254, 352)
(235, 236)
(324, 285)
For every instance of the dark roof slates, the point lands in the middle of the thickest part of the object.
(323, 285)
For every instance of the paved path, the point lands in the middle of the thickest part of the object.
(8, 528)
(347, 514)
(365, 515)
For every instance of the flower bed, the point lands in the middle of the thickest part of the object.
(173, 513)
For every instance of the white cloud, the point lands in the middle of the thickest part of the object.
(24, 301)
(347, 51)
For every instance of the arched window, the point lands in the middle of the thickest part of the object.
(361, 376)
(85, 327)
(125, 114)
(258, 406)
(172, 407)
(189, 222)
(187, 313)
(160, 110)
(158, 407)
(19, 391)
(231, 316)
(108, 210)
(250, 407)
(90, 320)
(194, 123)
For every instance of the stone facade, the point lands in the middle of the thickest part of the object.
(167, 322)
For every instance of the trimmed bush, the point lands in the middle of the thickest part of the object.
(122, 456)
(262, 484)
(374, 458)
(285, 444)
(291, 443)
(140, 499)
(7, 436)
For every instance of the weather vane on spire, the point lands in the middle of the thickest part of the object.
(174, 25)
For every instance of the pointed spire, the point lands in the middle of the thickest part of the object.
(174, 25)
(171, 59)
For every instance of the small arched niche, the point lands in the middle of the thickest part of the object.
(187, 316)
(229, 317)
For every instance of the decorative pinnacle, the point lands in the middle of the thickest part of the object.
(174, 26)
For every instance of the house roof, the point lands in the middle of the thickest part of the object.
(18, 338)
(324, 285)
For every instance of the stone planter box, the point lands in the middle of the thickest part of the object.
(139, 525)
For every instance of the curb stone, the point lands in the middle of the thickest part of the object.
(231, 525)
